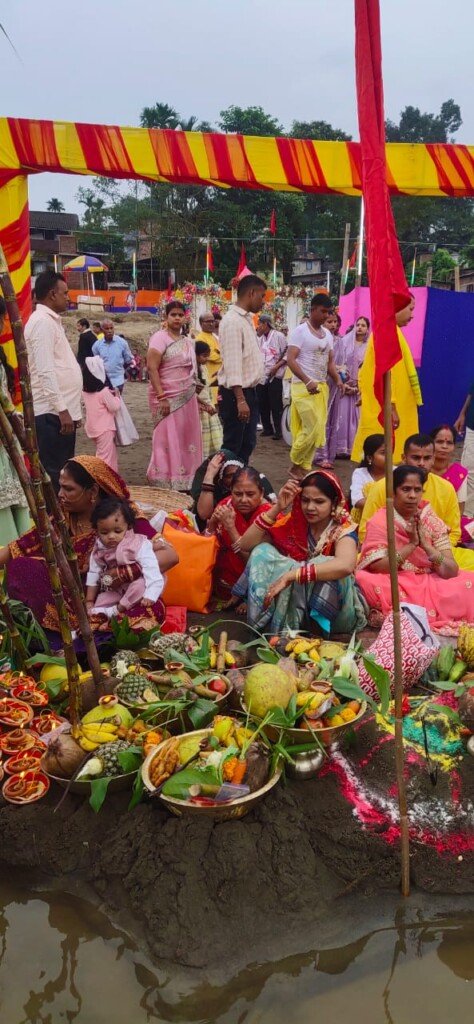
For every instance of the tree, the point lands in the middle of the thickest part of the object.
(318, 130)
(249, 121)
(161, 115)
(55, 206)
(417, 127)
(443, 265)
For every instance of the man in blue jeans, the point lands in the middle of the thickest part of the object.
(242, 368)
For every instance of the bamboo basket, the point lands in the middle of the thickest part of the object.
(151, 500)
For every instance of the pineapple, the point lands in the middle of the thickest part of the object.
(122, 662)
(136, 688)
(161, 643)
(466, 644)
(104, 761)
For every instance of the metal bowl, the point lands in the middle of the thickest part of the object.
(326, 736)
(306, 765)
(221, 812)
(83, 786)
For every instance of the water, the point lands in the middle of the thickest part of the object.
(63, 961)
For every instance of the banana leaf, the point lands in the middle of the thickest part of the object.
(177, 785)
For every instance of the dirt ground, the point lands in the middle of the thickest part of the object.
(270, 457)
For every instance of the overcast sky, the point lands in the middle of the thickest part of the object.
(103, 60)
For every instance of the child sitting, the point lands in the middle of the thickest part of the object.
(118, 545)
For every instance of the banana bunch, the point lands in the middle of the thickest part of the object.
(94, 734)
(301, 649)
(213, 650)
(466, 644)
(311, 701)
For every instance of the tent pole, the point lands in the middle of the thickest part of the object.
(397, 640)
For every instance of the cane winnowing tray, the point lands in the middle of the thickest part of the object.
(151, 499)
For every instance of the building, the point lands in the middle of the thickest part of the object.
(53, 235)
(311, 270)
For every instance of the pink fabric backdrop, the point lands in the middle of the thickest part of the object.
(357, 303)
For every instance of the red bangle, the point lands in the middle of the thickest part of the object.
(307, 574)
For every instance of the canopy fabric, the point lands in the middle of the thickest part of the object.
(197, 158)
(86, 264)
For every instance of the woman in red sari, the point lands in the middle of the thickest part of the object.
(229, 521)
(83, 481)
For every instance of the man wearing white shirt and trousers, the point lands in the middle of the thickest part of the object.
(56, 377)
(242, 368)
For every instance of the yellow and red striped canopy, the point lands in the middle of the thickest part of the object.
(197, 158)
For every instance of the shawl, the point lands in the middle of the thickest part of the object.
(289, 534)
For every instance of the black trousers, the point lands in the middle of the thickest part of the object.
(270, 400)
(239, 437)
(54, 448)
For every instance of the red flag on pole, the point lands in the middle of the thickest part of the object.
(273, 223)
(242, 261)
(388, 288)
(209, 259)
(353, 260)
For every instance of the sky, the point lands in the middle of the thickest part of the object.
(102, 61)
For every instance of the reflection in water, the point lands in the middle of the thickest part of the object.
(63, 960)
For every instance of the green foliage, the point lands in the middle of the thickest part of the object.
(55, 206)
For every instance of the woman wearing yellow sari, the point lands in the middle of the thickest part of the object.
(406, 394)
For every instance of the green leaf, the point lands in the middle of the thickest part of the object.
(267, 655)
(129, 760)
(201, 712)
(99, 789)
(45, 659)
(441, 684)
(138, 790)
(53, 687)
(381, 679)
(178, 784)
(449, 712)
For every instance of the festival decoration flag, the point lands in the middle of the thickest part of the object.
(273, 224)
(388, 287)
(351, 263)
(209, 260)
(413, 271)
(242, 261)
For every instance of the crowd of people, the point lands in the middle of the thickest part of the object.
(310, 556)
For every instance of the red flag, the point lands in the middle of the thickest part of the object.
(388, 287)
(273, 223)
(209, 259)
(242, 261)
(353, 260)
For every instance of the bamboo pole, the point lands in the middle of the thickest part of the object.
(73, 579)
(397, 641)
(345, 258)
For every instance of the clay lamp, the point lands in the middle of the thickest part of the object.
(12, 678)
(18, 740)
(46, 723)
(109, 700)
(15, 713)
(30, 693)
(24, 761)
(25, 787)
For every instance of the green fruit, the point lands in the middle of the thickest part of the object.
(268, 686)
(103, 712)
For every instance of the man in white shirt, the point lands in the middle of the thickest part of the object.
(273, 346)
(242, 368)
(56, 377)
(311, 359)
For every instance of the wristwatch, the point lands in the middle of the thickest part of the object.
(106, 581)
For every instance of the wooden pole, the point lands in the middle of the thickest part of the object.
(345, 257)
(73, 578)
(360, 246)
(457, 278)
(397, 640)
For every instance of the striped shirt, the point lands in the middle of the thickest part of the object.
(242, 360)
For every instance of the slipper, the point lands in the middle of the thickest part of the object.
(326, 465)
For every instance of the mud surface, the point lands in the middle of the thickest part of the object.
(206, 893)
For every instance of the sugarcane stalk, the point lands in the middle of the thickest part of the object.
(74, 582)
(34, 494)
(220, 663)
(18, 643)
(397, 642)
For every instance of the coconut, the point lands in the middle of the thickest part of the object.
(63, 756)
(268, 686)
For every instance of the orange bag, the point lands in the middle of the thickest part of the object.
(190, 582)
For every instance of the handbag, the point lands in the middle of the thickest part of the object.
(126, 431)
(417, 653)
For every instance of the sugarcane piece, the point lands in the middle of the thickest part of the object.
(34, 484)
(220, 664)
(17, 641)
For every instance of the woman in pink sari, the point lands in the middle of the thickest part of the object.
(176, 446)
(444, 440)
(427, 572)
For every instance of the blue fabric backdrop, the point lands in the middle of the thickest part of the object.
(447, 362)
